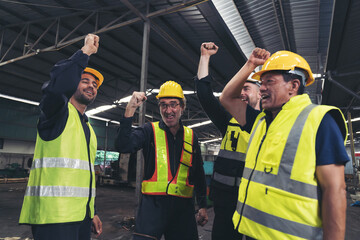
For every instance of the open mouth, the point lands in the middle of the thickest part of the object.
(264, 97)
(89, 93)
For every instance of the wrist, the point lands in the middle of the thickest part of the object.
(205, 56)
(251, 65)
(129, 112)
(86, 51)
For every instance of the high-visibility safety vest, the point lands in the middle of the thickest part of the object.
(279, 193)
(162, 182)
(59, 188)
(229, 164)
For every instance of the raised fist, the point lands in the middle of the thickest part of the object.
(208, 48)
(91, 44)
(259, 56)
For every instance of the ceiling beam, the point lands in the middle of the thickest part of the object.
(161, 12)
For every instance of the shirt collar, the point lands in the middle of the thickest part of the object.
(163, 126)
(83, 117)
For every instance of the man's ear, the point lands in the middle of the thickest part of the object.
(295, 85)
(182, 110)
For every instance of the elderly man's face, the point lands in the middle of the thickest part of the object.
(171, 111)
(274, 91)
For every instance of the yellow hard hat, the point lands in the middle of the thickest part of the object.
(98, 76)
(286, 60)
(170, 89)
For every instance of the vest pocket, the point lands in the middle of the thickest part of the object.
(291, 206)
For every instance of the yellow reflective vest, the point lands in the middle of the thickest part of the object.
(230, 161)
(162, 182)
(279, 193)
(59, 183)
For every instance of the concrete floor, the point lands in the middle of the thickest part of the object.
(115, 207)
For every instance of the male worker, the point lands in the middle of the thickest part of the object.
(59, 198)
(293, 182)
(173, 167)
(229, 164)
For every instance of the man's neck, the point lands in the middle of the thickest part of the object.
(80, 107)
(174, 130)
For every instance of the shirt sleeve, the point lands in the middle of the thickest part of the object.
(64, 79)
(199, 176)
(211, 105)
(129, 139)
(330, 143)
(251, 115)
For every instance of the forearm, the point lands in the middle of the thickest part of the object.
(65, 77)
(211, 105)
(66, 74)
(129, 140)
(334, 213)
(232, 90)
(203, 69)
(231, 95)
(129, 112)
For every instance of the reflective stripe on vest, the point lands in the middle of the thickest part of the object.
(162, 182)
(227, 180)
(237, 156)
(233, 147)
(282, 225)
(48, 162)
(60, 176)
(58, 191)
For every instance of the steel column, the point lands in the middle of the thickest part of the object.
(142, 110)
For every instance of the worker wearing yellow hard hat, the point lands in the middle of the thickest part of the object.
(59, 201)
(296, 148)
(230, 160)
(173, 167)
(290, 62)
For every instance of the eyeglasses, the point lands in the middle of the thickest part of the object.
(171, 105)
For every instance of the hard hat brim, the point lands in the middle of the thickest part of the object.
(97, 74)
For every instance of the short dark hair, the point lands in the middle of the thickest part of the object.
(291, 76)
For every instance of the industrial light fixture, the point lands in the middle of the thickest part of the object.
(19, 99)
(354, 120)
(199, 124)
(212, 140)
(104, 119)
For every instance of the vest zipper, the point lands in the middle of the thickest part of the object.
(88, 210)
(247, 186)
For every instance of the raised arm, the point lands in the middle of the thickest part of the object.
(231, 95)
(211, 105)
(65, 77)
(137, 99)
(207, 49)
(130, 139)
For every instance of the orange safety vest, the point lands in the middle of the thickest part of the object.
(162, 182)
